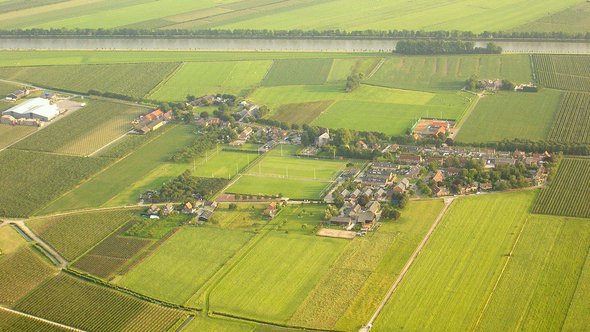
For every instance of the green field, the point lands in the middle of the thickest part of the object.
(565, 72)
(572, 122)
(10, 134)
(74, 234)
(298, 72)
(573, 19)
(134, 80)
(47, 177)
(276, 276)
(569, 192)
(342, 68)
(447, 286)
(200, 78)
(84, 131)
(124, 174)
(449, 72)
(274, 15)
(11, 322)
(300, 113)
(511, 115)
(545, 285)
(68, 300)
(182, 265)
(269, 186)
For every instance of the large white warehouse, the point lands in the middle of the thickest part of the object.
(35, 108)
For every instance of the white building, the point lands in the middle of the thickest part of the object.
(35, 108)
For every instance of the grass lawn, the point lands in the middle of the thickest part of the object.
(276, 276)
(180, 266)
(511, 115)
(545, 281)
(200, 78)
(459, 266)
(10, 134)
(298, 72)
(449, 72)
(125, 173)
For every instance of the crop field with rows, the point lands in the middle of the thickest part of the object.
(73, 234)
(10, 134)
(47, 177)
(298, 72)
(85, 130)
(572, 121)
(68, 300)
(569, 192)
(12, 322)
(133, 80)
(564, 72)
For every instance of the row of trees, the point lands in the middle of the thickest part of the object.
(294, 33)
(438, 46)
(187, 187)
(537, 146)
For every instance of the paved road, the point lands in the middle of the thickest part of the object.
(21, 224)
(402, 274)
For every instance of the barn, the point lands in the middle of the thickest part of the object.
(35, 108)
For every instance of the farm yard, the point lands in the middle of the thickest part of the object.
(568, 193)
(572, 122)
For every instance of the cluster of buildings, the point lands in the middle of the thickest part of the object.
(18, 94)
(151, 121)
(32, 112)
(432, 128)
(201, 210)
(353, 214)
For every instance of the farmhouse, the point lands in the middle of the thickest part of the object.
(36, 108)
(151, 121)
(18, 94)
(271, 210)
(323, 139)
(431, 128)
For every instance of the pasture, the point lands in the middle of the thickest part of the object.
(272, 280)
(342, 68)
(300, 113)
(449, 72)
(48, 176)
(510, 115)
(11, 134)
(74, 234)
(466, 15)
(85, 130)
(572, 121)
(68, 300)
(572, 19)
(184, 263)
(564, 72)
(459, 265)
(568, 193)
(133, 80)
(545, 280)
(298, 72)
(119, 178)
(201, 78)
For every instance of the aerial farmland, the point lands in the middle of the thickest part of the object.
(294, 165)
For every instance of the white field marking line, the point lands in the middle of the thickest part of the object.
(409, 263)
(69, 328)
(374, 71)
(489, 299)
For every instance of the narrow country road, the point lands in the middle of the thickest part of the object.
(448, 201)
(21, 224)
(69, 328)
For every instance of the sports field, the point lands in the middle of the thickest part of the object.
(200, 78)
(182, 265)
(568, 193)
(279, 15)
(133, 80)
(459, 265)
(510, 115)
(84, 131)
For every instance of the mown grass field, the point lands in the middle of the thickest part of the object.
(449, 72)
(74, 234)
(271, 186)
(276, 276)
(448, 284)
(300, 113)
(572, 121)
(182, 265)
(123, 175)
(511, 115)
(568, 193)
(572, 19)
(545, 280)
(298, 72)
(68, 300)
(134, 80)
(564, 72)
(10, 134)
(200, 78)
(85, 130)
(47, 177)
